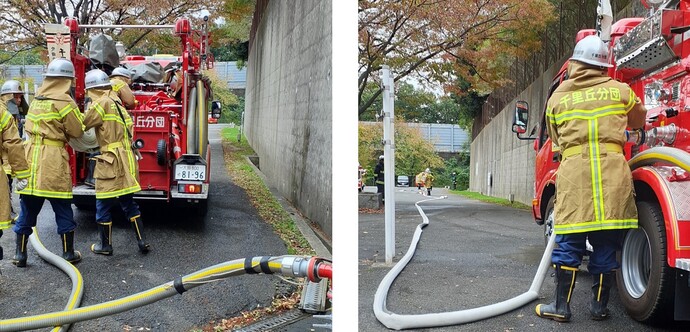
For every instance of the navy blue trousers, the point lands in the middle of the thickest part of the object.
(31, 207)
(127, 203)
(571, 247)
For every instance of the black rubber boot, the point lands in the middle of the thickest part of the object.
(601, 286)
(138, 227)
(0, 247)
(559, 309)
(20, 255)
(105, 231)
(68, 252)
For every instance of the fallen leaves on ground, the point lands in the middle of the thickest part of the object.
(279, 305)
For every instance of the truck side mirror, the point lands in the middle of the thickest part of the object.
(215, 109)
(520, 117)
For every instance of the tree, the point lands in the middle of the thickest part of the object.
(412, 153)
(230, 40)
(227, 99)
(22, 20)
(427, 38)
(469, 102)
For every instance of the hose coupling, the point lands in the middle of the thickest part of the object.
(294, 266)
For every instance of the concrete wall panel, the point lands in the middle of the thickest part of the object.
(496, 152)
(288, 103)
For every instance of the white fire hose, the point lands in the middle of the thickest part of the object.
(399, 322)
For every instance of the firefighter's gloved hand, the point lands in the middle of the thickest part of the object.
(21, 184)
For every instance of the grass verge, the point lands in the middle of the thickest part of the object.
(243, 175)
(490, 199)
(235, 152)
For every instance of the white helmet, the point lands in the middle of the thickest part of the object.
(96, 78)
(120, 71)
(11, 86)
(381, 157)
(60, 67)
(591, 50)
(427, 170)
(85, 143)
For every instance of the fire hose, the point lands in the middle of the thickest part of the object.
(312, 268)
(398, 322)
(395, 321)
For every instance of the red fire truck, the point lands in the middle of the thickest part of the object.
(652, 55)
(170, 119)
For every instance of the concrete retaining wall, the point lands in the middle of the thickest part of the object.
(288, 103)
(501, 165)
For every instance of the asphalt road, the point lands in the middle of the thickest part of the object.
(471, 254)
(181, 244)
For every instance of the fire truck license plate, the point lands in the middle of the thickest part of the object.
(190, 172)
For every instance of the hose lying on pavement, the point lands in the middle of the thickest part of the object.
(288, 265)
(399, 322)
(67, 267)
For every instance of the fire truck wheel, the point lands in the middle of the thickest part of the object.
(548, 221)
(645, 281)
(162, 152)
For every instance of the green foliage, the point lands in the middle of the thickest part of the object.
(227, 99)
(469, 102)
(414, 105)
(234, 114)
(243, 175)
(460, 164)
(489, 199)
(31, 57)
(412, 152)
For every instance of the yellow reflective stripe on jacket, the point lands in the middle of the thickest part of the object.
(65, 110)
(585, 114)
(590, 226)
(5, 224)
(99, 109)
(631, 101)
(118, 86)
(22, 174)
(45, 193)
(113, 117)
(595, 166)
(6, 117)
(52, 142)
(118, 193)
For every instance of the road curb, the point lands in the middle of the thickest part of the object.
(316, 242)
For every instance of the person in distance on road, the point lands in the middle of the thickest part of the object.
(586, 118)
(379, 176)
(116, 171)
(428, 181)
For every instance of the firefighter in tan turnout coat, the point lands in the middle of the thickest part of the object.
(119, 79)
(12, 149)
(116, 170)
(586, 118)
(53, 119)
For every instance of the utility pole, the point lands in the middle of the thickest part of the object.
(389, 160)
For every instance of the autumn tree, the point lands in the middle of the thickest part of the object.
(437, 40)
(22, 20)
(231, 36)
(412, 152)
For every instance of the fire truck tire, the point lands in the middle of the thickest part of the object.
(162, 152)
(548, 220)
(645, 281)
